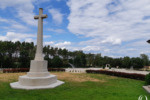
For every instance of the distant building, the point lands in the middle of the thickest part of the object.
(146, 67)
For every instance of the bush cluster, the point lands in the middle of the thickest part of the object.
(56, 69)
(147, 79)
(17, 70)
(119, 74)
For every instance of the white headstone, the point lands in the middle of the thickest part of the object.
(38, 77)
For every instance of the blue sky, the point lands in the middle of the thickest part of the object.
(114, 28)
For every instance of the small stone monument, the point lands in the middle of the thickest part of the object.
(131, 68)
(38, 77)
(107, 66)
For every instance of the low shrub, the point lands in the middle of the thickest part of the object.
(56, 69)
(119, 74)
(103, 67)
(17, 70)
(147, 79)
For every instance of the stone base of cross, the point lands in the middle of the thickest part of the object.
(38, 77)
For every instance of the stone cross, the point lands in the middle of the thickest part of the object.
(38, 77)
(39, 49)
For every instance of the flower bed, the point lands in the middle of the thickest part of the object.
(56, 69)
(17, 70)
(119, 74)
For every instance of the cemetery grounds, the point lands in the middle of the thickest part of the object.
(78, 86)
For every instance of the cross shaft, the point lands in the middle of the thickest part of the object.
(39, 49)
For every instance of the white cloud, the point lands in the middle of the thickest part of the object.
(49, 43)
(38, 2)
(29, 40)
(19, 26)
(24, 9)
(27, 17)
(56, 15)
(112, 40)
(91, 48)
(3, 20)
(12, 24)
(46, 36)
(111, 24)
(56, 30)
(12, 36)
(65, 44)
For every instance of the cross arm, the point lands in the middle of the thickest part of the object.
(44, 16)
(36, 17)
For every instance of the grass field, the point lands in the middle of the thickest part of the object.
(76, 87)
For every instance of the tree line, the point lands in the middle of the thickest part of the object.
(18, 55)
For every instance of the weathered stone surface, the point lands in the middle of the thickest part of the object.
(39, 49)
(37, 81)
(16, 85)
(38, 69)
(147, 88)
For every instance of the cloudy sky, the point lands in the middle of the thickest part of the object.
(114, 28)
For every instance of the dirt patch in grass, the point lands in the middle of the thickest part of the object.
(106, 76)
(113, 77)
(76, 77)
(9, 77)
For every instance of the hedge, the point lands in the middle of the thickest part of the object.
(119, 74)
(17, 70)
(56, 69)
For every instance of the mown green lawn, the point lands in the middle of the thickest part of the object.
(77, 87)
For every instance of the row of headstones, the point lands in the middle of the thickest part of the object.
(76, 70)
